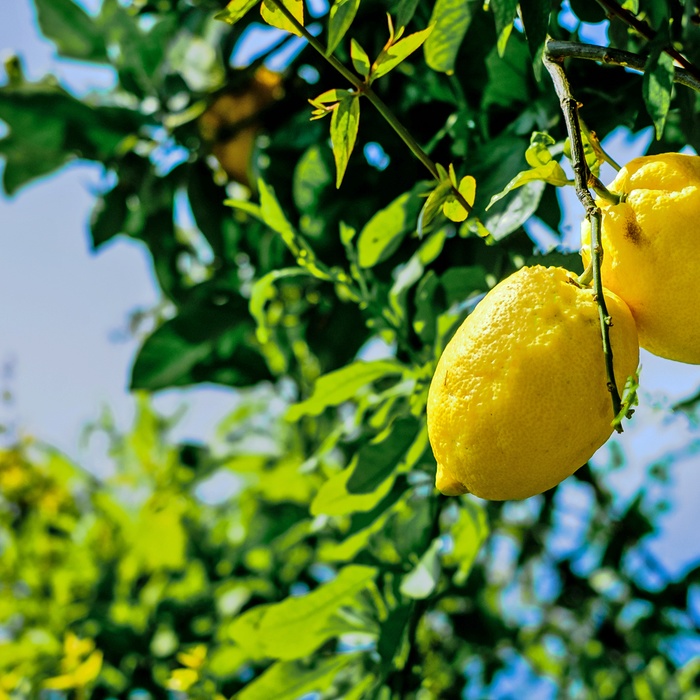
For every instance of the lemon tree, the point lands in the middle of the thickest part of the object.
(329, 210)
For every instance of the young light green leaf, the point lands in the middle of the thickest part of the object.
(657, 88)
(468, 534)
(451, 19)
(339, 20)
(393, 55)
(504, 12)
(74, 32)
(235, 10)
(290, 680)
(379, 458)
(334, 498)
(262, 292)
(551, 173)
(344, 124)
(273, 215)
(538, 151)
(421, 582)
(341, 385)
(433, 204)
(276, 18)
(297, 626)
(360, 59)
(452, 208)
(383, 233)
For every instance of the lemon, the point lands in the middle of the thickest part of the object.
(519, 398)
(651, 244)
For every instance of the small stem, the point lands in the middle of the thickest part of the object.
(615, 57)
(582, 175)
(363, 88)
(647, 33)
(595, 145)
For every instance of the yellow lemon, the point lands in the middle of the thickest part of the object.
(519, 398)
(651, 244)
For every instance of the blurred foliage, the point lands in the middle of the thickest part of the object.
(305, 550)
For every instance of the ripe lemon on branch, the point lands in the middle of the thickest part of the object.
(519, 399)
(651, 244)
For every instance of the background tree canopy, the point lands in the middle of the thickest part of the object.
(332, 568)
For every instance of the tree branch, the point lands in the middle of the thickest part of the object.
(584, 179)
(616, 57)
(647, 33)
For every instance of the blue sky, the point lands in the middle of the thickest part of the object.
(64, 312)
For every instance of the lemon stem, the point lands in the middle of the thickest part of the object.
(363, 88)
(582, 178)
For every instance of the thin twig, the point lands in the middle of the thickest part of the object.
(583, 179)
(647, 33)
(615, 57)
(363, 88)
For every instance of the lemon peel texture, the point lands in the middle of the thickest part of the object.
(651, 244)
(519, 398)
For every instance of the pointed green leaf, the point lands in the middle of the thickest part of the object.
(74, 32)
(535, 15)
(383, 233)
(453, 208)
(657, 88)
(290, 680)
(451, 19)
(339, 21)
(404, 12)
(468, 535)
(276, 18)
(334, 498)
(433, 205)
(344, 124)
(339, 386)
(504, 12)
(422, 581)
(503, 220)
(235, 10)
(360, 59)
(297, 626)
(552, 173)
(402, 49)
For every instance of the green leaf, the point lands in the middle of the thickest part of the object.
(360, 59)
(383, 233)
(236, 10)
(434, 203)
(517, 210)
(297, 626)
(453, 208)
(195, 344)
(504, 12)
(109, 216)
(344, 124)
(396, 53)
(74, 32)
(551, 173)
(535, 15)
(404, 13)
(468, 535)
(312, 177)
(334, 498)
(451, 19)
(340, 19)
(290, 680)
(423, 579)
(339, 386)
(538, 152)
(381, 457)
(657, 87)
(276, 18)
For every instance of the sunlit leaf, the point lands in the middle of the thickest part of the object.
(290, 680)
(297, 626)
(504, 12)
(468, 535)
(236, 10)
(360, 60)
(551, 173)
(451, 19)
(398, 52)
(340, 18)
(339, 386)
(345, 121)
(657, 87)
(272, 14)
(422, 580)
(453, 209)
